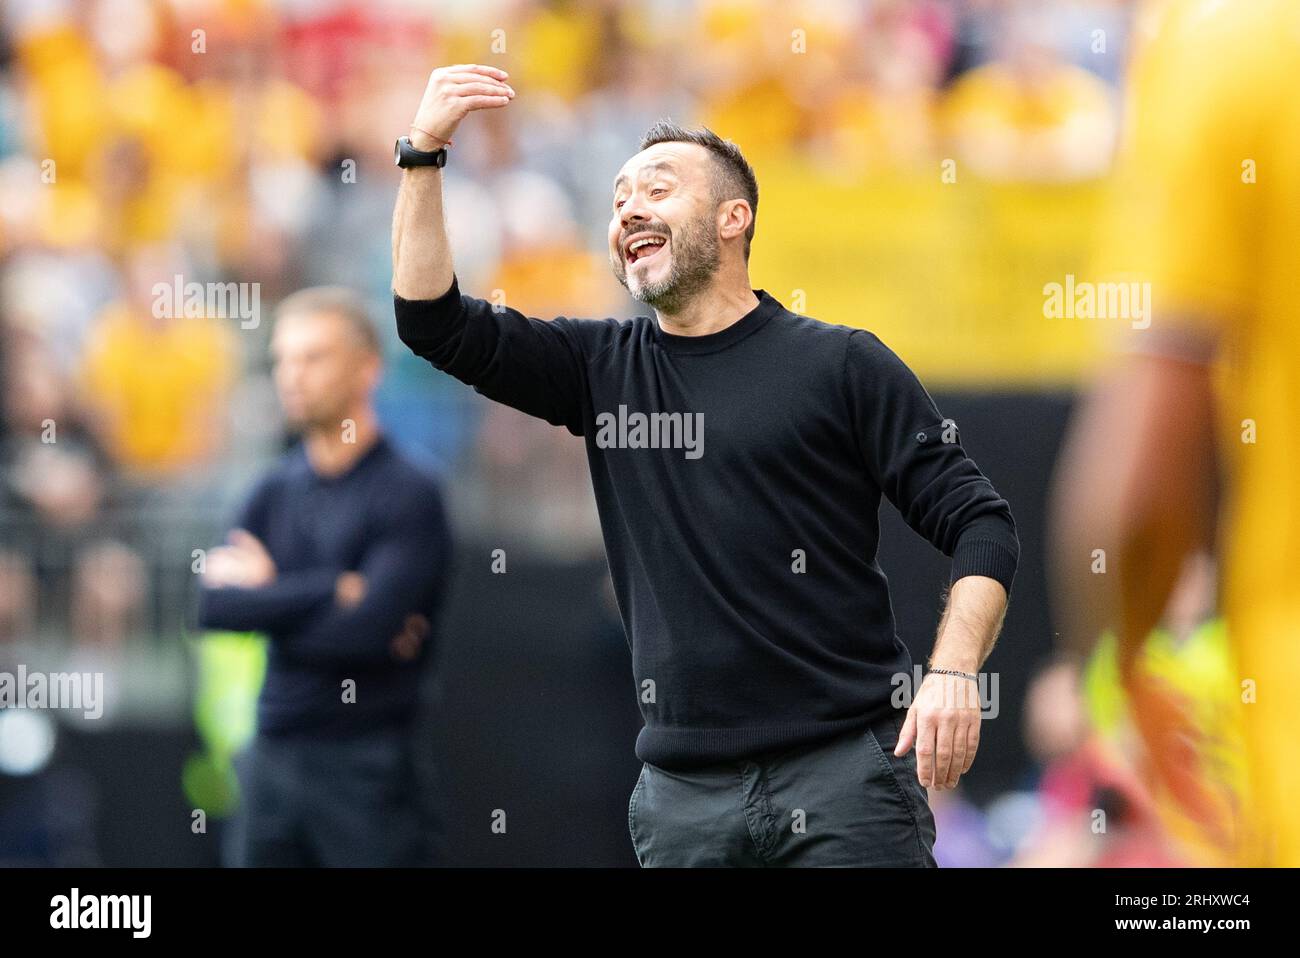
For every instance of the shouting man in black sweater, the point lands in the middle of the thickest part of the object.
(738, 453)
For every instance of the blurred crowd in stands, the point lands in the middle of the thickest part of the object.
(250, 142)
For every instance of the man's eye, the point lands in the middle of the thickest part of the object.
(657, 190)
(618, 203)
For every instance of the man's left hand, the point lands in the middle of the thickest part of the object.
(944, 724)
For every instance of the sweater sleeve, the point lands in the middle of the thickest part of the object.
(405, 568)
(268, 608)
(916, 458)
(271, 607)
(533, 365)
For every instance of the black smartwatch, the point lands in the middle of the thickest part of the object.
(405, 155)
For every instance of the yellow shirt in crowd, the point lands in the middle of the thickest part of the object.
(160, 386)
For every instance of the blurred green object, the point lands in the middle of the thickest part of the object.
(1199, 798)
(1201, 667)
(231, 667)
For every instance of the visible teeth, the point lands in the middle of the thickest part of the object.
(657, 240)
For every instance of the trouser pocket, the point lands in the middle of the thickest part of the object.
(631, 814)
(900, 775)
(843, 803)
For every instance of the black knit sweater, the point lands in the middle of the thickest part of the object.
(738, 477)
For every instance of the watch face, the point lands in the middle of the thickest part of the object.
(397, 152)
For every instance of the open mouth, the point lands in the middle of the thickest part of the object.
(644, 245)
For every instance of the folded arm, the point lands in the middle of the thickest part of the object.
(404, 570)
(267, 608)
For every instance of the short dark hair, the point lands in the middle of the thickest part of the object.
(735, 175)
(338, 301)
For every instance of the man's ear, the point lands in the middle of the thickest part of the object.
(734, 217)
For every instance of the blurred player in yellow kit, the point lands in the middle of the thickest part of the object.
(1190, 439)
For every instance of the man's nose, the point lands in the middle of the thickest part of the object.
(632, 213)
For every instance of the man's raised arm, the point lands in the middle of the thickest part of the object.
(533, 365)
(421, 252)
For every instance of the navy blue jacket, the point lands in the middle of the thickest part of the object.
(384, 518)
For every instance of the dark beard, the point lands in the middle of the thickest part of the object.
(696, 255)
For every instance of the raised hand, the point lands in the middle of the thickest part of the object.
(453, 93)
